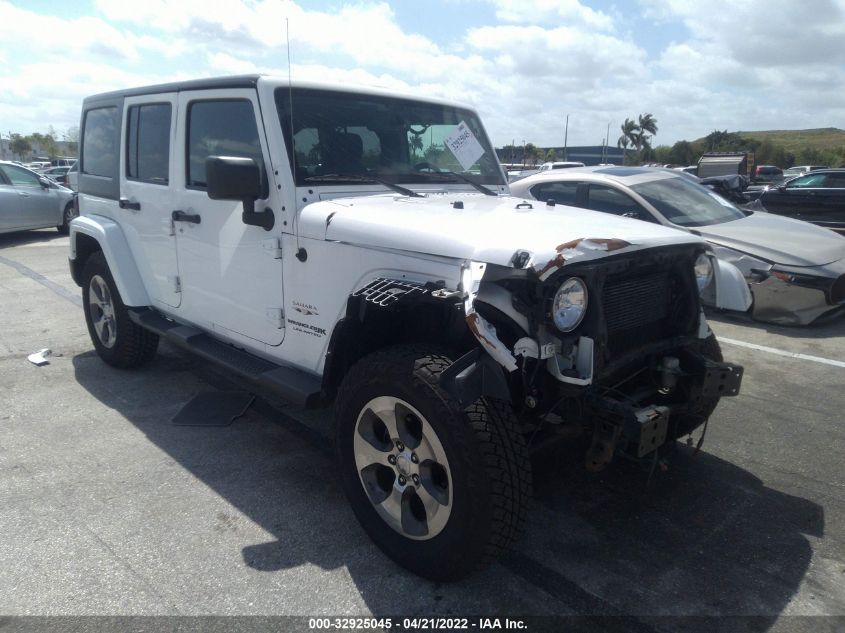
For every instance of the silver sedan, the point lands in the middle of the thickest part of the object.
(31, 201)
(795, 270)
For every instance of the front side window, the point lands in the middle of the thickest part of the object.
(20, 177)
(221, 128)
(148, 143)
(339, 136)
(560, 192)
(687, 203)
(99, 155)
(809, 181)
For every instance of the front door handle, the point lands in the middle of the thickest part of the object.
(181, 216)
(23, 194)
(124, 203)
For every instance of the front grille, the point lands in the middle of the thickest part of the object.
(636, 309)
(837, 292)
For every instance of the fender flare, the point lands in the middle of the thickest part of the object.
(108, 234)
(731, 287)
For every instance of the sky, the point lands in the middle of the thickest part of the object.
(523, 64)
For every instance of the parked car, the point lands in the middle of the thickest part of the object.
(800, 170)
(303, 244)
(795, 270)
(31, 201)
(58, 174)
(560, 164)
(766, 174)
(817, 196)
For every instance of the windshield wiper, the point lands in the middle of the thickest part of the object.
(362, 178)
(469, 181)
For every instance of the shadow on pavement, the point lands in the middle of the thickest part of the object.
(706, 537)
(20, 238)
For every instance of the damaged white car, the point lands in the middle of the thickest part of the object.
(358, 249)
(795, 270)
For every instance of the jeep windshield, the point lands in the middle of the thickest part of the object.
(382, 138)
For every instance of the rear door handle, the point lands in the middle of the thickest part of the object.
(181, 216)
(124, 203)
(23, 194)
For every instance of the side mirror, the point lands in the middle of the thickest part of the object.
(237, 178)
(44, 182)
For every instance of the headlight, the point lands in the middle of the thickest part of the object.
(703, 271)
(570, 304)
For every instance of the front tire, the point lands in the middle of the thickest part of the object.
(440, 489)
(118, 340)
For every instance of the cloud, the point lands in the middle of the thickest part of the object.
(553, 12)
(731, 66)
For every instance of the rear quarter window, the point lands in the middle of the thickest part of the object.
(99, 143)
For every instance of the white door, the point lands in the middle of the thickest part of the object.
(147, 193)
(231, 273)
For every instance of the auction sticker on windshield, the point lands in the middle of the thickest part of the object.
(463, 144)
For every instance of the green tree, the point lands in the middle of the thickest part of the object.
(647, 129)
(532, 154)
(416, 143)
(551, 156)
(629, 132)
(20, 146)
(71, 137)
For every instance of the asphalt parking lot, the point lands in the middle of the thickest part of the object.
(109, 509)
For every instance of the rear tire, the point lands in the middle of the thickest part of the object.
(67, 215)
(474, 458)
(118, 340)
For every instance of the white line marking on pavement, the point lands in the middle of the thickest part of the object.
(782, 352)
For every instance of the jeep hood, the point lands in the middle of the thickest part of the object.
(778, 240)
(482, 228)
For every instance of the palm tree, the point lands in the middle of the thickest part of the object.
(629, 130)
(648, 123)
(629, 135)
(416, 143)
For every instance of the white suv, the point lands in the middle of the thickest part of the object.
(357, 248)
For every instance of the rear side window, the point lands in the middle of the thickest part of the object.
(99, 155)
(148, 143)
(613, 201)
(221, 128)
(835, 180)
(560, 192)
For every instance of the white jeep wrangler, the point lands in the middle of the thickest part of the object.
(359, 248)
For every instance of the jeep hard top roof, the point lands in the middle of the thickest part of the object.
(252, 81)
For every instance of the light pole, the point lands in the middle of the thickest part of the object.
(565, 139)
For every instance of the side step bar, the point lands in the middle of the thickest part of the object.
(293, 385)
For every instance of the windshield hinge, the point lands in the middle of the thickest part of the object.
(273, 247)
(276, 316)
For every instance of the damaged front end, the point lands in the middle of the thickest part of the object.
(788, 295)
(637, 370)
